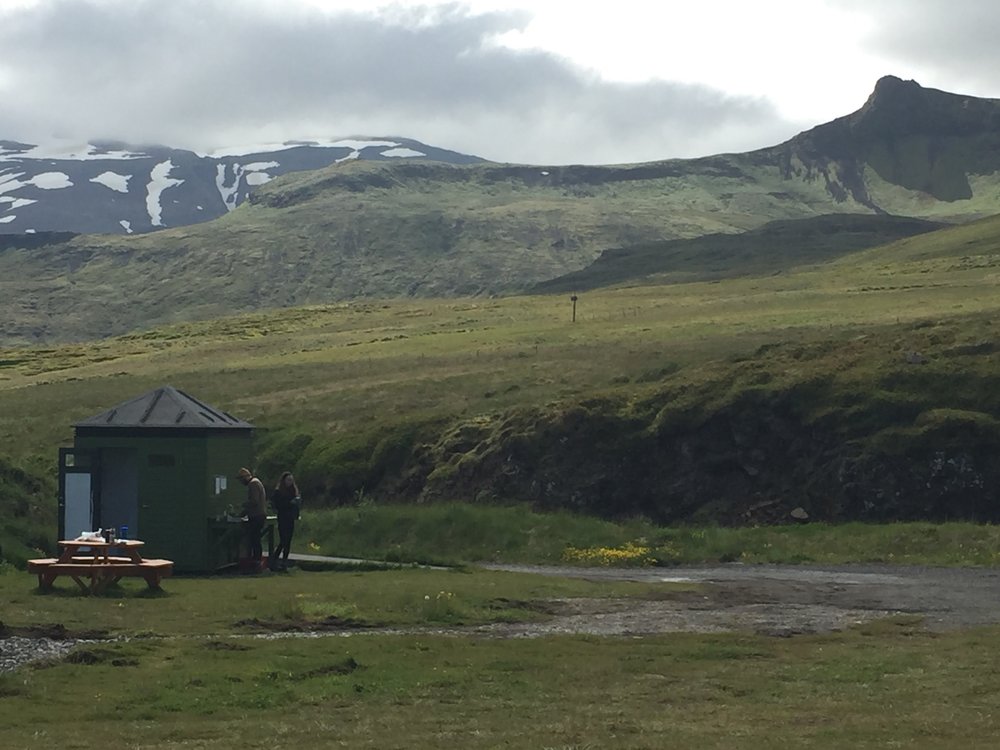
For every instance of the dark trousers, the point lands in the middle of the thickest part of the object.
(286, 528)
(255, 527)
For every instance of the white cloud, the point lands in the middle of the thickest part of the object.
(434, 75)
(584, 82)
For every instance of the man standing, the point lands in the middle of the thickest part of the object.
(255, 509)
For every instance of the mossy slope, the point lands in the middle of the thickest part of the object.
(865, 429)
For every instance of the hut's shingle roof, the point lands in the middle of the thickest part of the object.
(165, 407)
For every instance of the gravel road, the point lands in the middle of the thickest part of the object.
(780, 599)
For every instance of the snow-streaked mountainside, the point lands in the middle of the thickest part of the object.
(113, 188)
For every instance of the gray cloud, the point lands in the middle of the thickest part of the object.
(206, 73)
(951, 44)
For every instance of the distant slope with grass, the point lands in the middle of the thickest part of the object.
(777, 246)
(419, 229)
(862, 388)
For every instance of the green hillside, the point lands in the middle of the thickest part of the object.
(775, 247)
(361, 230)
(865, 387)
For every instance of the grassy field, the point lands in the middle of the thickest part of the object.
(333, 383)
(865, 689)
(192, 676)
(213, 606)
(458, 533)
(338, 391)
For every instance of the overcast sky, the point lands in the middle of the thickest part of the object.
(534, 81)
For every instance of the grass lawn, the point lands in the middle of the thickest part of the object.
(449, 533)
(189, 676)
(214, 605)
(339, 391)
(886, 685)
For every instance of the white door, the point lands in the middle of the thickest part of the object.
(76, 492)
(79, 509)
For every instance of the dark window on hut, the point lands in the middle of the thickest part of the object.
(161, 459)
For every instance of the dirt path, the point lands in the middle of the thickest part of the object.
(773, 599)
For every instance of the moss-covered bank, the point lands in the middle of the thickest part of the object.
(898, 424)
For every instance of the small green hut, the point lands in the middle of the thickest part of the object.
(164, 465)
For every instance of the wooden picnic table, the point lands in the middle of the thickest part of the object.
(93, 566)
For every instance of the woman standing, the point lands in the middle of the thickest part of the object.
(286, 501)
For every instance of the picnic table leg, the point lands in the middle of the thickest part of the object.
(101, 580)
(269, 531)
(81, 584)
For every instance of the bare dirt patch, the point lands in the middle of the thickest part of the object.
(772, 599)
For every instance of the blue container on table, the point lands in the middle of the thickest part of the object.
(123, 532)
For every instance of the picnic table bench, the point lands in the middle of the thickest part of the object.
(92, 566)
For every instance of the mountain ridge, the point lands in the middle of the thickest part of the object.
(359, 228)
(911, 136)
(109, 187)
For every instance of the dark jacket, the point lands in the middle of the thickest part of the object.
(285, 503)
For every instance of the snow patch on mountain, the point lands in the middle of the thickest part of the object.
(228, 192)
(16, 203)
(255, 174)
(258, 178)
(357, 145)
(113, 180)
(45, 181)
(65, 151)
(10, 182)
(126, 225)
(403, 152)
(7, 219)
(159, 180)
(51, 181)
